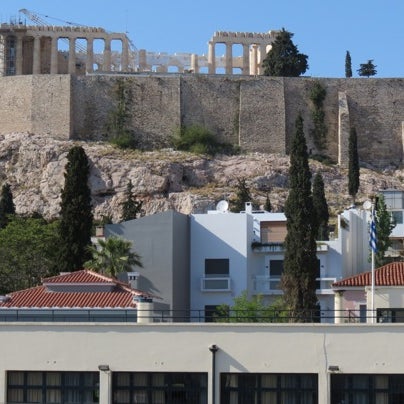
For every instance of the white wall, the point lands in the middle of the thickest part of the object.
(276, 348)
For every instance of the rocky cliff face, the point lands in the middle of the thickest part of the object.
(167, 179)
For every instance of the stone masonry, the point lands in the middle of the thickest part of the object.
(256, 113)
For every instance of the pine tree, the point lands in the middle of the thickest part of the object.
(300, 264)
(320, 207)
(384, 226)
(76, 216)
(7, 206)
(367, 69)
(131, 207)
(348, 65)
(284, 59)
(353, 164)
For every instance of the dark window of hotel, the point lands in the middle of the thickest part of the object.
(390, 315)
(167, 388)
(276, 267)
(52, 387)
(217, 267)
(367, 389)
(247, 388)
(397, 216)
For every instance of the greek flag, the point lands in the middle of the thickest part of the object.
(372, 235)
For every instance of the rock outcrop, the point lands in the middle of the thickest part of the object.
(166, 179)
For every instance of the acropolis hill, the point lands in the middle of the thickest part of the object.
(72, 94)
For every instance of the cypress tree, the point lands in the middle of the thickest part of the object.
(384, 226)
(76, 216)
(7, 206)
(320, 207)
(300, 264)
(348, 65)
(353, 164)
(243, 195)
(268, 205)
(131, 207)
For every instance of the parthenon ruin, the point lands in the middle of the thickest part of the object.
(30, 49)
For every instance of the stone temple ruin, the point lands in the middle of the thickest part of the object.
(47, 49)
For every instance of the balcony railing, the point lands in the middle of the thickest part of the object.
(216, 284)
(270, 285)
(268, 247)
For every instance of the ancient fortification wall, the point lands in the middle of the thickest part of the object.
(257, 113)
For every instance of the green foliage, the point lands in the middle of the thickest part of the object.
(320, 207)
(367, 69)
(199, 140)
(299, 276)
(7, 206)
(254, 310)
(284, 59)
(119, 118)
(243, 195)
(384, 226)
(317, 97)
(268, 205)
(28, 252)
(113, 256)
(76, 216)
(353, 164)
(131, 207)
(348, 65)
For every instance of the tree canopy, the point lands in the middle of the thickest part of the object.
(28, 252)
(300, 264)
(320, 207)
(7, 206)
(113, 256)
(243, 195)
(353, 164)
(76, 215)
(131, 207)
(367, 69)
(348, 65)
(284, 59)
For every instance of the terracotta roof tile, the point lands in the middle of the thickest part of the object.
(388, 275)
(119, 295)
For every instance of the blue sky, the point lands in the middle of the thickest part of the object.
(323, 29)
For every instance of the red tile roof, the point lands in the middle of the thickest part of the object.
(119, 295)
(388, 275)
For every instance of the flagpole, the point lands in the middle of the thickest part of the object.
(373, 247)
(373, 287)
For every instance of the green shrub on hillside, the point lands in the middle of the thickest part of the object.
(199, 140)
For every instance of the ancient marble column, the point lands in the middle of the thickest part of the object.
(36, 62)
(246, 59)
(125, 55)
(262, 54)
(54, 56)
(90, 55)
(72, 56)
(142, 60)
(107, 55)
(194, 63)
(229, 58)
(253, 61)
(211, 58)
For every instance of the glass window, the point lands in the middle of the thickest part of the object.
(276, 267)
(367, 389)
(52, 387)
(160, 387)
(217, 267)
(397, 216)
(242, 388)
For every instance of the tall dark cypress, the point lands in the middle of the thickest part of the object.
(300, 265)
(348, 65)
(7, 206)
(76, 216)
(353, 164)
(320, 207)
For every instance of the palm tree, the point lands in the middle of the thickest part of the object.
(113, 256)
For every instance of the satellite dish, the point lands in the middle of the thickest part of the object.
(367, 205)
(222, 206)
